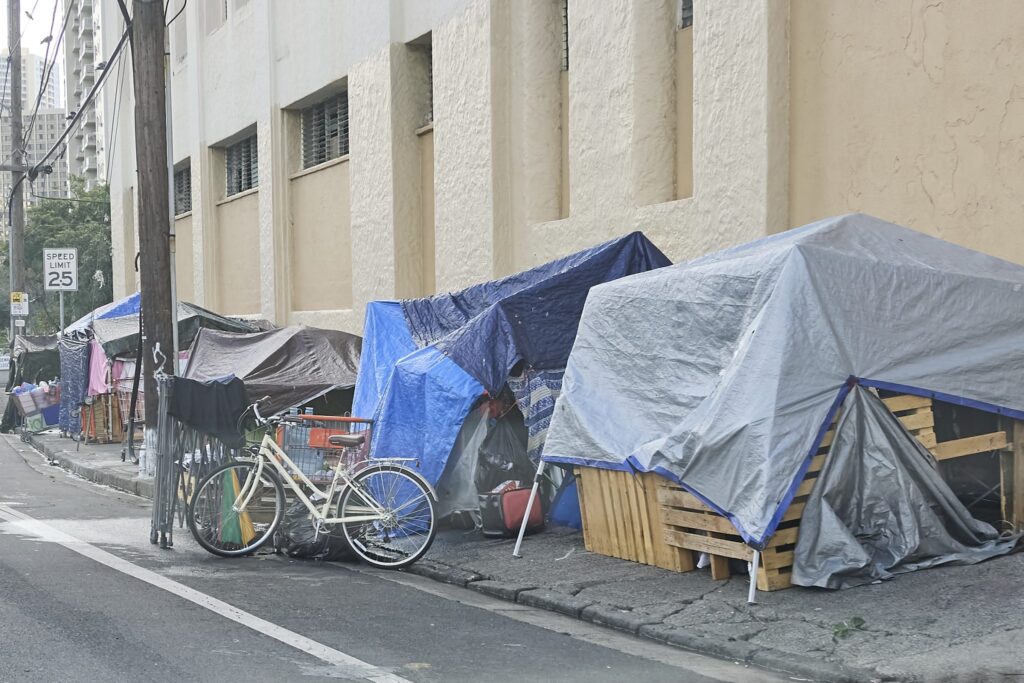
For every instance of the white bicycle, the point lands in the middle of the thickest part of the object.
(385, 511)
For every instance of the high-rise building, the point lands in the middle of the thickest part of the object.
(33, 74)
(42, 125)
(82, 57)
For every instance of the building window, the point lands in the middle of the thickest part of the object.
(685, 13)
(241, 161)
(565, 35)
(325, 130)
(183, 191)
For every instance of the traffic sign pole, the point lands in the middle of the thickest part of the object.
(62, 312)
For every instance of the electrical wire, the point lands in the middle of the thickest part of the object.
(17, 46)
(112, 137)
(47, 73)
(177, 14)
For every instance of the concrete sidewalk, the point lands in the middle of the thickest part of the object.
(945, 624)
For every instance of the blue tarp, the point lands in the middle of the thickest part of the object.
(129, 305)
(426, 361)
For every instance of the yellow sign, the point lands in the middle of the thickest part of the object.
(19, 303)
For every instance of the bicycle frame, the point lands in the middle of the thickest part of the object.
(288, 470)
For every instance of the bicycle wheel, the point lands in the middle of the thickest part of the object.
(224, 531)
(407, 527)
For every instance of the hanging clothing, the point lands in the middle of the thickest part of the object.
(98, 383)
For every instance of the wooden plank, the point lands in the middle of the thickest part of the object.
(720, 567)
(927, 439)
(585, 510)
(774, 579)
(615, 524)
(777, 560)
(794, 511)
(817, 463)
(784, 537)
(635, 525)
(970, 445)
(805, 487)
(666, 556)
(924, 419)
(898, 404)
(706, 544)
(698, 520)
(681, 499)
(645, 548)
(599, 518)
(1017, 498)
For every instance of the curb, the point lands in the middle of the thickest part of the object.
(608, 617)
(546, 599)
(97, 475)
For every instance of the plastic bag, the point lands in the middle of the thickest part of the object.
(298, 538)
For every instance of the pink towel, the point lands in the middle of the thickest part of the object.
(97, 369)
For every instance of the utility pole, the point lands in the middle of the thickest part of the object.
(154, 213)
(16, 229)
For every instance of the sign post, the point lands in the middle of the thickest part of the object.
(60, 274)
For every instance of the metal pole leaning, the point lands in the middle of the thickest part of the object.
(529, 507)
(752, 591)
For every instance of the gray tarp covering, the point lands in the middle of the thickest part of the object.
(880, 507)
(292, 365)
(120, 335)
(721, 373)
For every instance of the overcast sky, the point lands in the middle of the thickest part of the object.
(34, 30)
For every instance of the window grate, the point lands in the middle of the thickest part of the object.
(325, 130)
(430, 83)
(685, 13)
(565, 35)
(242, 162)
(183, 191)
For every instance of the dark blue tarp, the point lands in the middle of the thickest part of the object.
(425, 362)
(74, 382)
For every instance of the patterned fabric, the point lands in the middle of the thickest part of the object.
(536, 392)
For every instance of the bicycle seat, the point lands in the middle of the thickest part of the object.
(347, 440)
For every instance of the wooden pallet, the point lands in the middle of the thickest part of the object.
(621, 519)
(647, 518)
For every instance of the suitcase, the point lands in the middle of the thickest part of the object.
(502, 513)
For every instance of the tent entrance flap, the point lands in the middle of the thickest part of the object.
(881, 508)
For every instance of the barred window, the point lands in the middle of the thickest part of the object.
(242, 161)
(325, 130)
(183, 191)
(685, 13)
(565, 35)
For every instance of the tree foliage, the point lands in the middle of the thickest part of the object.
(83, 222)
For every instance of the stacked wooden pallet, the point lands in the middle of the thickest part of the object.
(649, 519)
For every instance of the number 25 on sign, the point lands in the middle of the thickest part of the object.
(60, 269)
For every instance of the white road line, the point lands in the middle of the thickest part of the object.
(35, 527)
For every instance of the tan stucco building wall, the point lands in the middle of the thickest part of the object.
(912, 111)
(763, 115)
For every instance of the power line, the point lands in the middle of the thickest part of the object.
(90, 96)
(112, 136)
(177, 14)
(47, 73)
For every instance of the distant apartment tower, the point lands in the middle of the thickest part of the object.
(32, 77)
(44, 125)
(82, 57)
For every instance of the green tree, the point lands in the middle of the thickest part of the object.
(83, 222)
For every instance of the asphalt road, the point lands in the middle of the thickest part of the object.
(85, 597)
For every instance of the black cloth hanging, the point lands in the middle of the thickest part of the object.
(212, 407)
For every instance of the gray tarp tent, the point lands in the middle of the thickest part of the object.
(292, 365)
(33, 358)
(724, 373)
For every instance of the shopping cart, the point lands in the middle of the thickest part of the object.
(305, 439)
(39, 408)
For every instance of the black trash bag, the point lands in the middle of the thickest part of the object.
(503, 453)
(298, 538)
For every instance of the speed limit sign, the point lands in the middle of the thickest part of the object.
(60, 269)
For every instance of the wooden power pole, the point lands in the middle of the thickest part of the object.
(154, 213)
(16, 234)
